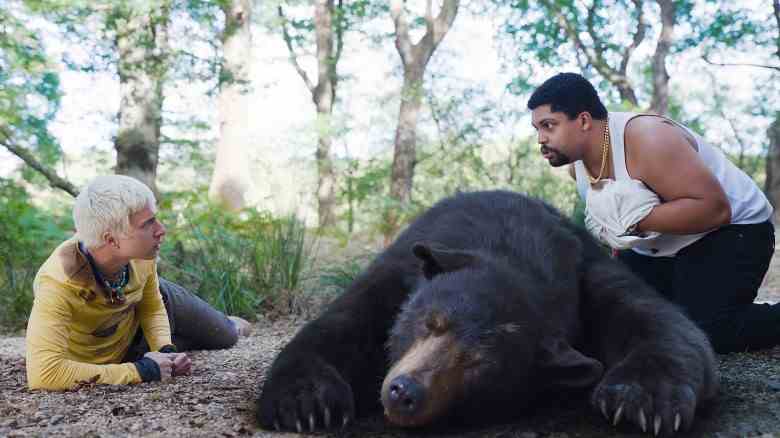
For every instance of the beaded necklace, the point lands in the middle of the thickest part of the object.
(114, 289)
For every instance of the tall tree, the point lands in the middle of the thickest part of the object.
(329, 37)
(772, 182)
(231, 179)
(772, 187)
(589, 34)
(414, 57)
(142, 46)
(660, 101)
(29, 97)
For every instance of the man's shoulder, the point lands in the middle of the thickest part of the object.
(143, 270)
(66, 267)
(654, 136)
(146, 267)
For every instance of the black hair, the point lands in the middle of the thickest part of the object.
(569, 93)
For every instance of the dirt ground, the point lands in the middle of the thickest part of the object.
(218, 399)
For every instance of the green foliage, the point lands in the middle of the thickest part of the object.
(362, 191)
(339, 276)
(29, 88)
(238, 262)
(539, 33)
(731, 25)
(27, 236)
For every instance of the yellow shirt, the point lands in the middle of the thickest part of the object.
(75, 333)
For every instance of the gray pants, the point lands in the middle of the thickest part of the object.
(195, 325)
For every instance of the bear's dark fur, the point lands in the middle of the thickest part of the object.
(486, 301)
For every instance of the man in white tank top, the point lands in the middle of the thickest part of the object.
(713, 235)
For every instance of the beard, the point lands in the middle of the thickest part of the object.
(554, 156)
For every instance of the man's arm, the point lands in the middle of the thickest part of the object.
(662, 156)
(46, 352)
(154, 318)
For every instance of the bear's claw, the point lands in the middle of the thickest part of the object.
(670, 406)
(304, 397)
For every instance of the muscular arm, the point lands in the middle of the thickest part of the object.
(664, 157)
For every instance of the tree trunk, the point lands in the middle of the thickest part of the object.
(660, 101)
(415, 58)
(142, 44)
(231, 179)
(329, 37)
(324, 95)
(772, 183)
(404, 156)
(626, 91)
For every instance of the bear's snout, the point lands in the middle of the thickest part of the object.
(405, 396)
(420, 387)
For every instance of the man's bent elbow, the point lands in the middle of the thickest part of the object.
(722, 213)
(49, 384)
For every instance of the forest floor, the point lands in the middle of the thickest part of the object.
(218, 398)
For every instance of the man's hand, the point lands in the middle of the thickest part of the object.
(181, 364)
(171, 364)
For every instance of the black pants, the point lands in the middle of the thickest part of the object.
(715, 281)
(195, 325)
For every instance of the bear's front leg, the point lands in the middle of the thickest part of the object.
(659, 365)
(305, 393)
(332, 369)
(652, 399)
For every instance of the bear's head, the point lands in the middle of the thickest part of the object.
(472, 337)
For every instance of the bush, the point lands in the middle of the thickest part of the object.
(238, 262)
(337, 278)
(27, 237)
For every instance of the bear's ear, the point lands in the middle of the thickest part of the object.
(563, 367)
(437, 258)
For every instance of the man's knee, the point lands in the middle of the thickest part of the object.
(753, 327)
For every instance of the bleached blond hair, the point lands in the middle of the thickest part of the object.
(106, 204)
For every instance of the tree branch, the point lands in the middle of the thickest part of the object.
(639, 35)
(596, 60)
(443, 21)
(402, 42)
(26, 156)
(293, 56)
(738, 64)
(598, 46)
(339, 32)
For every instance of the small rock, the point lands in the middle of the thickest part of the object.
(57, 419)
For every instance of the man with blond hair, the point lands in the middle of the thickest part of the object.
(101, 314)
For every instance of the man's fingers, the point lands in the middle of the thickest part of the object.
(180, 359)
(182, 364)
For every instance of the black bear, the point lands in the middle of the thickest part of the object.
(484, 302)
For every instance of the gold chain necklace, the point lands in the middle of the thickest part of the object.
(605, 143)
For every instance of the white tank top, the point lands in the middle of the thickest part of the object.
(748, 203)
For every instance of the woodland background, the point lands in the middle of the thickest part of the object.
(287, 141)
